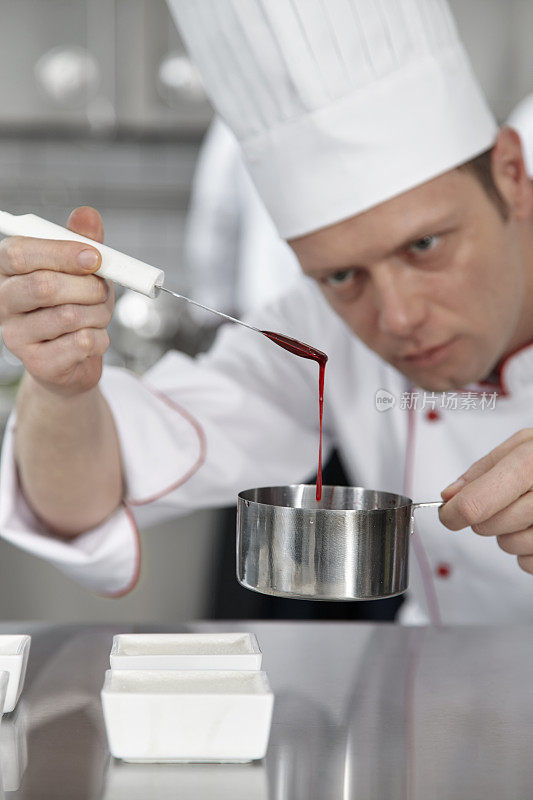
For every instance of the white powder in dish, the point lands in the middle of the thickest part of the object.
(184, 644)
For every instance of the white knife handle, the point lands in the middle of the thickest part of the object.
(116, 266)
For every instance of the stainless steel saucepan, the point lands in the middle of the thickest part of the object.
(353, 544)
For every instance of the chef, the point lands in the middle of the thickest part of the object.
(368, 139)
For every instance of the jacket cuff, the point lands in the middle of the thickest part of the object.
(105, 559)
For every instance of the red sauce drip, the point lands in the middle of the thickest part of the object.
(306, 351)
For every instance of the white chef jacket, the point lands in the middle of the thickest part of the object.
(195, 432)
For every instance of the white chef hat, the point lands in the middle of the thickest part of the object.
(338, 104)
(521, 119)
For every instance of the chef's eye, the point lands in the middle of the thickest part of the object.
(340, 278)
(424, 245)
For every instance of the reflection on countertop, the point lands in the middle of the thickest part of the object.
(362, 711)
(186, 781)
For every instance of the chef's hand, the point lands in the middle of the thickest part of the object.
(53, 311)
(495, 497)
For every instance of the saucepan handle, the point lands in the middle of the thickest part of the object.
(416, 506)
(434, 504)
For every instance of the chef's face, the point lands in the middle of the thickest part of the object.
(436, 280)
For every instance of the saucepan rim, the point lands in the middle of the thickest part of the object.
(246, 497)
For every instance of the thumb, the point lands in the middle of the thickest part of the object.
(87, 222)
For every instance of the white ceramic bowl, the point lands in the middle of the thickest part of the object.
(177, 715)
(189, 651)
(14, 652)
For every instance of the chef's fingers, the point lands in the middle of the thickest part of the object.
(488, 461)
(50, 323)
(20, 255)
(516, 517)
(86, 221)
(526, 563)
(23, 254)
(55, 361)
(44, 288)
(517, 544)
(493, 491)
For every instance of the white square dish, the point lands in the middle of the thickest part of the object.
(179, 715)
(14, 651)
(188, 651)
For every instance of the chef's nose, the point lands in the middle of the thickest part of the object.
(401, 308)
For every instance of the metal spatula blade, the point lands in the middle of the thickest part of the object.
(206, 308)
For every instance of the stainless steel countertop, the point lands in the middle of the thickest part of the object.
(370, 712)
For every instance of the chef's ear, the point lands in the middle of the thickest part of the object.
(510, 175)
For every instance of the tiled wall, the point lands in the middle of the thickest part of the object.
(140, 187)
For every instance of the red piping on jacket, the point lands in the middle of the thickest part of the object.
(184, 478)
(500, 386)
(137, 569)
(503, 364)
(199, 461)
(418, 547)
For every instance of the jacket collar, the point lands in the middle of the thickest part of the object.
(515, 371)
(512, 374)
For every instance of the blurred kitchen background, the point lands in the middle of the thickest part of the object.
(99, 105)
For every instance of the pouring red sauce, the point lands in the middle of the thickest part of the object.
(306, 351)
